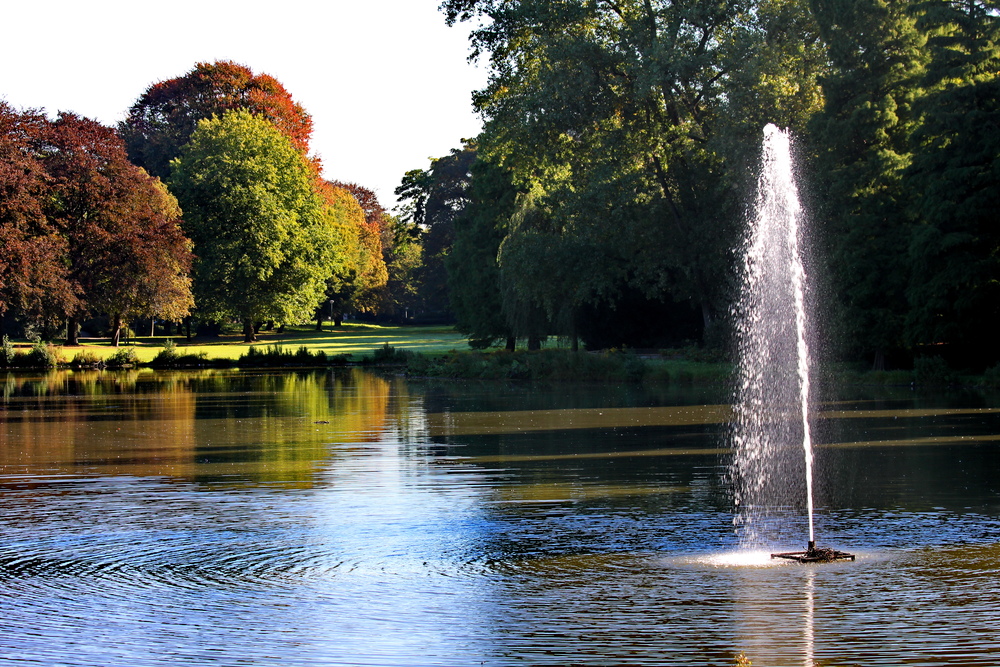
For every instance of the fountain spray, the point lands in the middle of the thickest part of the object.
(771, 407)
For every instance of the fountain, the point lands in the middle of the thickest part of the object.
(771, 407)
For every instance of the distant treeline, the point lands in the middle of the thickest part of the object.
(603, 202)
(204, 202)
(605, 199)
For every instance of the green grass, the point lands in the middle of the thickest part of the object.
(354, 340)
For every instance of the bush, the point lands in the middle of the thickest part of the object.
(42, 355)
(170, 357)
(7, 354)
(86, 359)
(932, 370)
(124, 357)
(387, 356)
(275, 355)
(991, 377)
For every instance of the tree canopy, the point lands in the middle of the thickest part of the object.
(86, 231)
(265, 239)
(163, 119)
(630, 130)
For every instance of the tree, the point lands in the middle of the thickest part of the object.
(954, 289)
(862, 143)
(264, 237)
(163, 119)
(619, 118)
(125, 253)
(473, 266)
(360, 272)
(33, 280)
(431, 201)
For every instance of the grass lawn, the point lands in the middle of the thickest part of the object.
(352, 339)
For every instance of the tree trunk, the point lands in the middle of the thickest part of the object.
(511, 343)
(168, 328)
(187, 324)
(249, 334)
(534, 343)
(116, 330)
(72, 332)
(338, 319)
(319, 321)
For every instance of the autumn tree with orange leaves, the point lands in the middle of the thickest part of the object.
(164, 117)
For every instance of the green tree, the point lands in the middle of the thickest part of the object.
(473, 266)
(164, 117)
(263, 238)
(431, 200)
(954, 291)
(361, 272)
(626, 124)
(861, 139)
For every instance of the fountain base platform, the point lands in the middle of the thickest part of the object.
(815, 554)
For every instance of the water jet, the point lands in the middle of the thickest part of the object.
(772, 395)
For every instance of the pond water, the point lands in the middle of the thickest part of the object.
(342, 518)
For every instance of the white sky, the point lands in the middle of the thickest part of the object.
(386, 81)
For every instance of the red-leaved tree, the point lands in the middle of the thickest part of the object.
(33, 280)
(125, 254)
(163, 118)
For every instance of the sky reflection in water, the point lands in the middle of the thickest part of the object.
(317, 518)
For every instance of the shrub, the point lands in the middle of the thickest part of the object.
(42, 355)
(170, 357)
(7, 353)
(387, 356)
(167, 356)
(932, 370)
(275, 355)
(991, 377)
(124, 357)
(86, 359)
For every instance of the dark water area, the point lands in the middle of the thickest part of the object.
(343, 518)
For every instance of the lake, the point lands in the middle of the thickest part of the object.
(345, 518)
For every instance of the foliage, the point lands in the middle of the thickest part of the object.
(991, 378)
(472, 264)
(954, 289)
(171, 357)
(33, 280)
(431, 202)
(276, 355)
(86, 359)
(932, 370)
(163, 119)
(361, 224)
(7, 353)
(124, 357)
(86, 230)
(42, 355)
(564, 365)
(264, 237)
(624, 126)
(387, 356)
(861, 137)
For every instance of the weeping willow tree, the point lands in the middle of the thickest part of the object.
(616, 122)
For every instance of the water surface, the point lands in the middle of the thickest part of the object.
(317, 518)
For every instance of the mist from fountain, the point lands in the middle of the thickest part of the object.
(771, 437)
